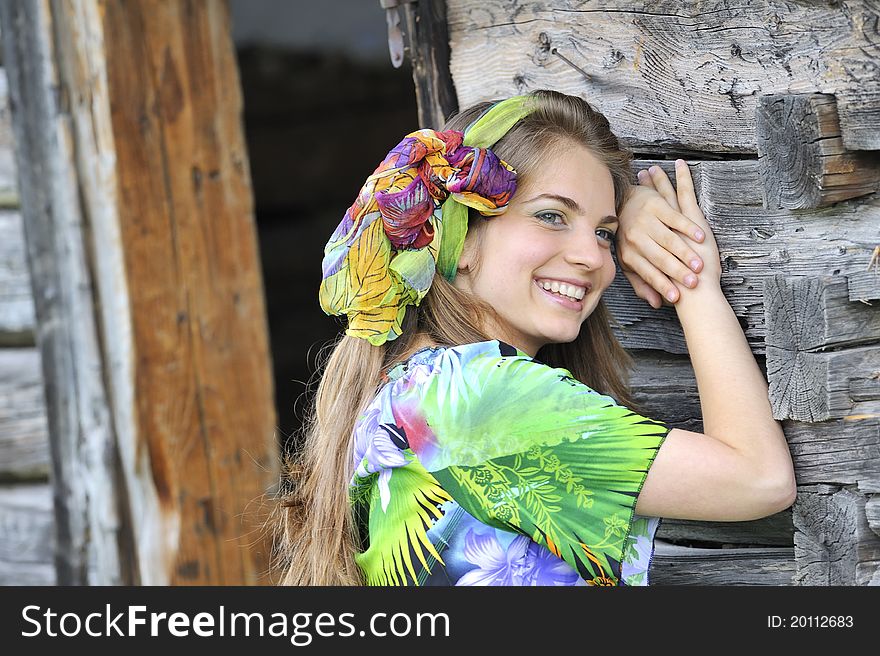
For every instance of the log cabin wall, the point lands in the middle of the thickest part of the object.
(26, 519)
(776, 107)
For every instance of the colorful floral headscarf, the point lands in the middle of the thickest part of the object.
(410, 220)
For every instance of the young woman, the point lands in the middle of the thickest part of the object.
(474, 425)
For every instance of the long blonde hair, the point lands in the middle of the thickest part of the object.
(317, 536)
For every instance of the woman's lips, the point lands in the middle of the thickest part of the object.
(562, 300)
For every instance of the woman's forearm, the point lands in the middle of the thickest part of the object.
(733, 393)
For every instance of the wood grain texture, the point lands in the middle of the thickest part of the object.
(864, 286)
(16, 302)
(803, 162)
(674, 75)
(833, 542)
(202, 397)
(425, 33)
(139, 224)
(674, 565)
(814, 312)
(815, 387)
(754, 244)
(8, 185)
(24, 434)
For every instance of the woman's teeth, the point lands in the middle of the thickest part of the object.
(572, 292)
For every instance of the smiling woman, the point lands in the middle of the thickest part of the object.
(474, 426)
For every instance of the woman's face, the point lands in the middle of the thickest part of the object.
(557, 233)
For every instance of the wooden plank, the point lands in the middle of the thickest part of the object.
(872, 513)
(675, 565)
(864, 286)
(157, 479)
(815, 312)
(803, 162)
(679, 76)
(16, 301)
(186, 225)
(754, 244)
(424, 31)
(844, 451)
(833, 542)
(816, 387)
(24, 434)
(75, 401)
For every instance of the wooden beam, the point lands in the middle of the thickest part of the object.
(775, 530)
(815, 312)
(664, 84)
(139, 224)
(864, 286)
(675, 565)
(427, 41)
(833, 543)
(803, 162)
(8, 186)
(24, 435)
(816, 387)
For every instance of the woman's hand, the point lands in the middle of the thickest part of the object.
(652, 244)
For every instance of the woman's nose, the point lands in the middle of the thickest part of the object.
(585, 249)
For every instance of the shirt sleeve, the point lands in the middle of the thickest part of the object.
(528, 448)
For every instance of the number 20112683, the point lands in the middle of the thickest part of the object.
(810, 622)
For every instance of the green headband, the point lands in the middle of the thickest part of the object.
(487, 130)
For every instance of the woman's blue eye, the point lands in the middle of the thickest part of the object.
(607, 235)
(550, 217)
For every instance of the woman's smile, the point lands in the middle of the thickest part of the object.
(544, 264)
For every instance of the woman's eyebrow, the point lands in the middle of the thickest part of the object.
(571, 204)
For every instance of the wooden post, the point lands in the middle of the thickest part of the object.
(803, 161)
(427, 40)
(136, 195)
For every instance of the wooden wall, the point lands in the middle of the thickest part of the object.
(776, 108)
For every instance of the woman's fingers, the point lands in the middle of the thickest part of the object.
(675, 244)
(643, 290)
(686, 196)
(664, 186)
(647, 268)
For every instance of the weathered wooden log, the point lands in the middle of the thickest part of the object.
(775, 530)
(844, 451)
(809, 313)
(816, 387)
(159, 455)
(668, 85)
(754, 244)
(803, 162)
(833, 543)
(675, 565)
(16, 302)
(864, 286)
(24, 434)
(427, 40)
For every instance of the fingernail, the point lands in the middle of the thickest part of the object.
(695, 265)
(679, 163)
(698, 235)
(690, 280)
(671, 295)
(654, 169)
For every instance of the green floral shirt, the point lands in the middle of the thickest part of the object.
(478, 465)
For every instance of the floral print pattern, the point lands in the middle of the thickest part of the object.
(478, 465)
